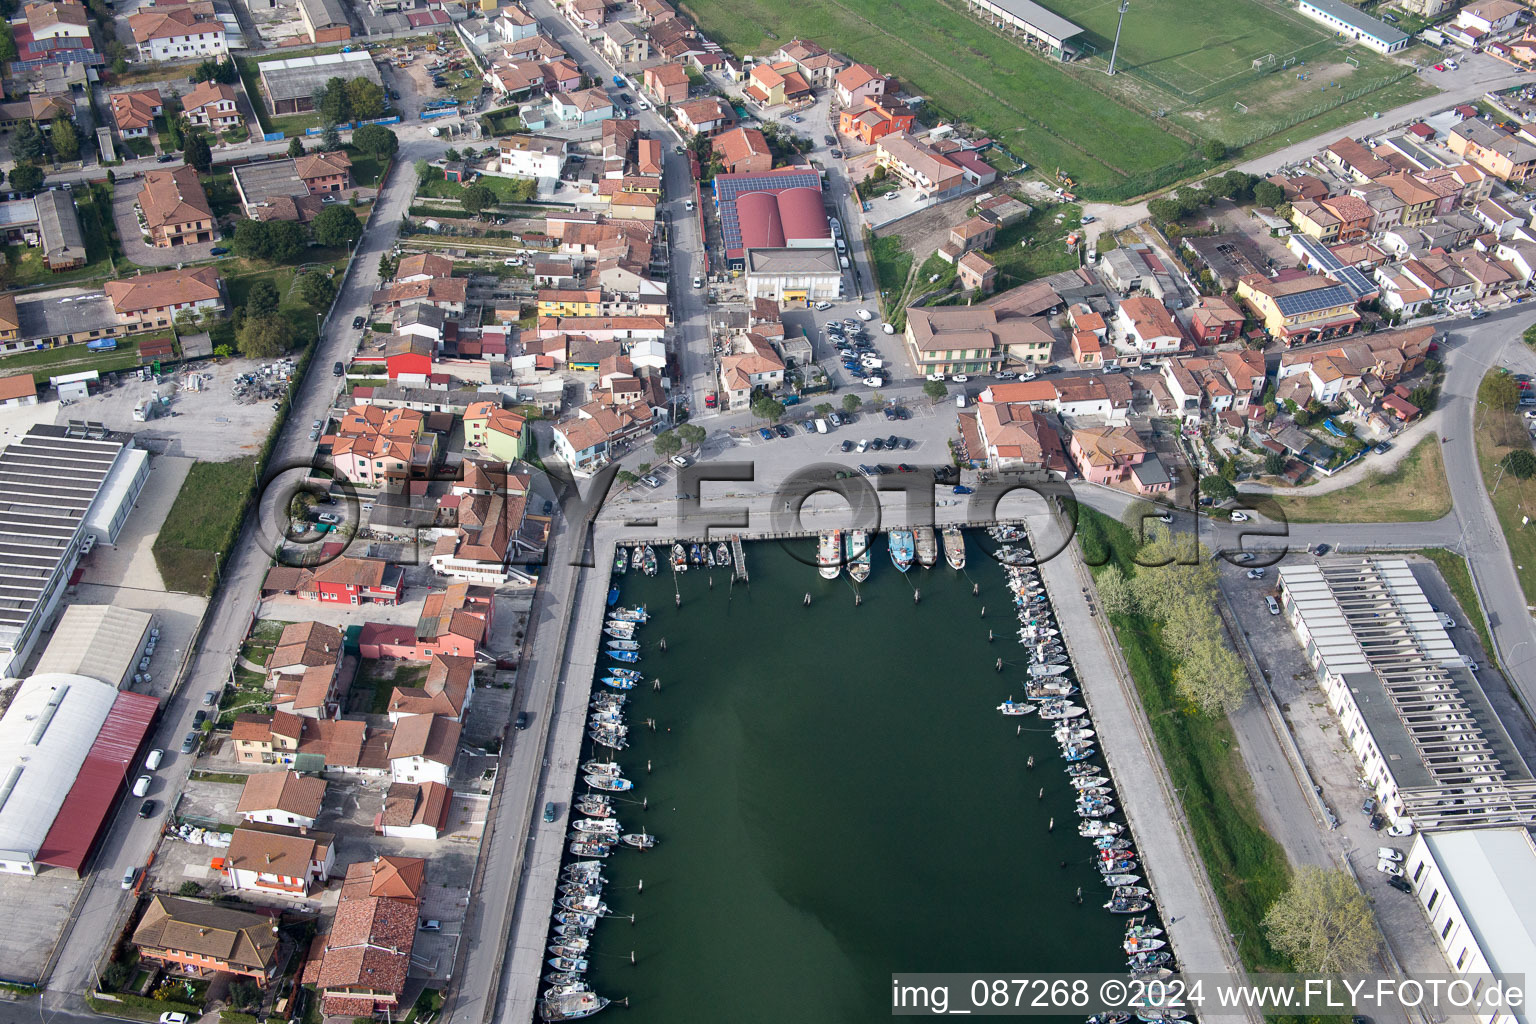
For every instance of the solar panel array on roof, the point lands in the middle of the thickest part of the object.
(48, 479)
(730, 186)
(1324, 260)
(1314, 300)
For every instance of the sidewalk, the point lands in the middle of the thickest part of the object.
(1174, 872)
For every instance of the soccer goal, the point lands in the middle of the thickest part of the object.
(1352, 62)
(1241, 108)
(1288, 62)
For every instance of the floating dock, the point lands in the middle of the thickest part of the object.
(738, 560)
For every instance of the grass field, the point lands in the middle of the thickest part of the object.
(1414, 491)
(203, 521)
(1498, 434)
(1119, 136)
(1247, 868)
(55, 362)
(893, 264)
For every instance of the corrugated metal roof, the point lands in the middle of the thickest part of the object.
(89, 804)
(1492, 876)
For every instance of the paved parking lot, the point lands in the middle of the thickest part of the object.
(43, 903)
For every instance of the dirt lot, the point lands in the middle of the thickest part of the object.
(204, 424)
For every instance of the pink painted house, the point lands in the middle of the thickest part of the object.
(1116, 455)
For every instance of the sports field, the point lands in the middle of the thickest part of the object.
(967, 70)
(1186, 65)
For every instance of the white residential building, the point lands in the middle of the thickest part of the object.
(531, 156)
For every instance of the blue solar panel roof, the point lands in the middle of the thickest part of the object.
(1326, 262)
(729, 186)
(1312, 301)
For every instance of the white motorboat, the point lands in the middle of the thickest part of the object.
(1087, 781)
(1062, 709)
(623, 645)
(1039, 669)
(609, 783)
(1013, 707)
(829, 554)
(602, 826)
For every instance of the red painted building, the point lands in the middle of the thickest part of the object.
(455, 621)
(408, 355)
(353, 581)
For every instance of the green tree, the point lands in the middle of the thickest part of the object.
(1303, 418)
(336, 226)
(244, 993)
(1520, 464)
(1274, 463)
(452, 155)
(1215, 150)
(376, 139)
(851, 403)
(27, 143)
(330, 139)
(935, 389)
(316, 290)
(285, 240)
(334, 102)
(692, 434)
(262, 300)
(65, 138)
(1323, 923)
(424, 171)
(667, 444)
(7, 42)
(295, 147)
(1211, 677)
(1115, 595)
(822, 410)
(1499, 391)
(189, 889)
(265, 337)
(1217, 488)
(477, 198)
(1236, 186)
(207, 71)
(625, 477)
(26, 178)
(1164, 211)
(1267, 193)
(766, 408)
(365, 98)
(198, 154)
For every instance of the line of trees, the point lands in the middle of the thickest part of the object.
(1174, 585)
(341, 100)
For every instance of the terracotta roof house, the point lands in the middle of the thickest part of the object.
(708, 115)
(303, 646)
(153, 300)
(175, 208)
(1109, 455)
(346, 580)
(859, 82)
(324, 172)
(366, 956)
(1018, 439)
(281, 798)
(415, 812)
(667, 83)
(279, 860)
(742, 150)
(198, 938)
(423, 749)
(447, 691)
(135, 112)
(212, 105)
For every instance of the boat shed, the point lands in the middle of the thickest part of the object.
(96, 640)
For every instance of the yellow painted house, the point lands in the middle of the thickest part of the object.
(570, 302)
(499, 433)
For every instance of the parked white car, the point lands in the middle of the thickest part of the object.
(823, 305)
(1239, 517)
(1388, 867)
(874, 382)
(1400, 830)
(935, 376)
(866, 315)
(1387, 853)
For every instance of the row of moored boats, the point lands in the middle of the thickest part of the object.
(1049, 687)
(595, 830)
(642, 557)
(837, 550)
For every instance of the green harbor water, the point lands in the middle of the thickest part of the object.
(836, 798)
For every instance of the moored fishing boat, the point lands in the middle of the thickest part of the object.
(635, 614)
(1013, 707)
(619, 631)
(637, 558)
(587, 849)
(1121, 878)
(628, 674)
(584, 920)
(723, 555)
(570, 1005)
(1093, 829)
(1080, 752)
(611, 738)
(622, 645)
(857, 555)
(954, 548)
(572, 945)
(640, 840)
(1046, 689)
(926, 545)
(650, 560)
(1129, 891)
(829, 553)
(901, 545)
(601, 826)
(628, 657)
(617, 683)
(1087, 781)
(583, 905)
(607, 769)
(608, 783)
(1040, 669)
(679, 558)
(594, 804)
(566, 963)
(1054, 709)
(1138, 944)
(620, 560)
(583, 870)
(1136, 906)
(562, 977)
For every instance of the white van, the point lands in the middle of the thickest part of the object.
(960, 400)
(142, 785)
(153, 760)
(842, 246)
(821, 426)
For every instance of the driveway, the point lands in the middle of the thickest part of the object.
(135, 249)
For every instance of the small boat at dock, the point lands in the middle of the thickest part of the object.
(570, 1005)
(1136, 944)
(1136, 906)
(1047, 689)
(602, 826)
(562, 977)
(618, 684)
(954, 548)
(1039, 669)
(614, 739)
(902, 548)
(1130, 891)
(635, 614)
(640, 840)
(1013, 707)
(857, 555)
(628, 657)
(607, 769)
(584, 870)
(608, 783)
(567, 917)
(566, 963)
(679, 558)
(1115, 881)
(589, 849)
(723, 555)
(1055, 709)
(573, 945)
(622, 645)
(650, 560)
(829, 553)
(1088, 781)
(596, 805)
(620, 561)
(637, 558)
(623, 631)
(1093, 829)
(927, 546)
(584, 905)
(628, 674)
